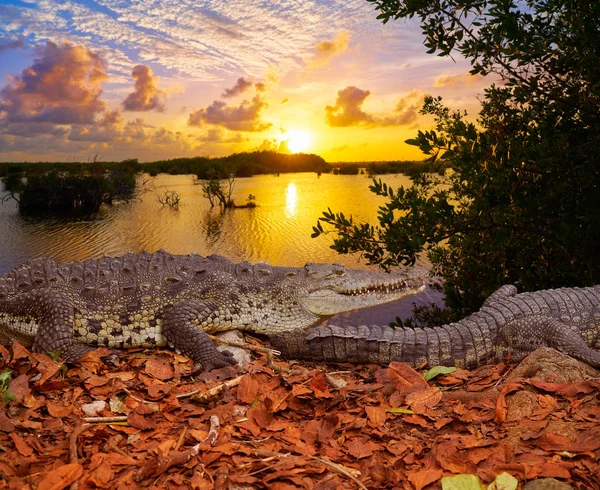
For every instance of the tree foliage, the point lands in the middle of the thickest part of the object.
(520, 202)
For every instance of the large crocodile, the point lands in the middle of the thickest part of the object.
(508, 323)
(158, 299)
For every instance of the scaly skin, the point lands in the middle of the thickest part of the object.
(508, 323)
(158, 299)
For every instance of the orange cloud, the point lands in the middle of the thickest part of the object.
(347, 110)
(62, 86)
(274, 145)
(107, 128)
(244, 117)
(406, 110)
(217, 135)
(325, 50)
(146, 96)
(456, 80)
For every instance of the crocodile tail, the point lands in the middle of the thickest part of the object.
(450, 345)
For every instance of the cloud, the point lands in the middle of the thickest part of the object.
(62, 86)
(406, 110)
(456, 80)
(242, 85)
(217, 135)
(244, 117)
(347, 110)
(106, 129)
(337, 149)
(206, 40)
(146, 96)
(325, 50)
(6, 44)
(274, 145)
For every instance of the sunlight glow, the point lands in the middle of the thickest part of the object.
(298, 140)
(291, 199)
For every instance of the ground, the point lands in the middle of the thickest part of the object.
(291, 425)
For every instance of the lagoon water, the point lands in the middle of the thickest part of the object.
(277, 231)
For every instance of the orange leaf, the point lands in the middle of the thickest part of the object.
(61, 477)
(450, 459)
(420, 401)
(261, 414)
(159, 369)
(421, 478)
(247, 389)
(501, 407)
(377, 415)
(91, 361)
(58, 410)
(19, 351)
(19, 386)
(6, 424)
(298, 390)
(554, 470)
(404, 378)
(320, 386)
(359, 449)
(22, 446)
(47, 366)
(139, 422)
(327, 427)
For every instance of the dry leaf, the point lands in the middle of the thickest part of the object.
(61, 477)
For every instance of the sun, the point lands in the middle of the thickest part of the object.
(298, 140)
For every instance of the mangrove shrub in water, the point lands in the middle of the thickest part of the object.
(81, 189)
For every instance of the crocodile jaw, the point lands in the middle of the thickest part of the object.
(369, 291)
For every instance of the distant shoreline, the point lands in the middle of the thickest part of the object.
(246, 164)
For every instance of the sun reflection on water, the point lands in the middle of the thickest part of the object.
(291, 199)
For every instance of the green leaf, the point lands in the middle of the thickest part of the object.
(504, 481)
(406, 411)
(462, 482)
(5, 376)
(8, 396)
(437, 370)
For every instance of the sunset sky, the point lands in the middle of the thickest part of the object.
(154, 79)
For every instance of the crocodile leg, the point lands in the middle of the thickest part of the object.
(54, 314)
(526, 334)
(181, 332)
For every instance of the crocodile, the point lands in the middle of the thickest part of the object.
(158, 299)
(508, 324)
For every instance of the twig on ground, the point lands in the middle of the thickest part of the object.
(206, 395)
(246, 345)
(213, 433)
(342, 470)
(105, 420)
(73, 456)
(287, 457)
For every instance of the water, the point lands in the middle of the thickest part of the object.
(277, 231)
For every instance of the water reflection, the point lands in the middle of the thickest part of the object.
(276, 231)
(291, 199)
